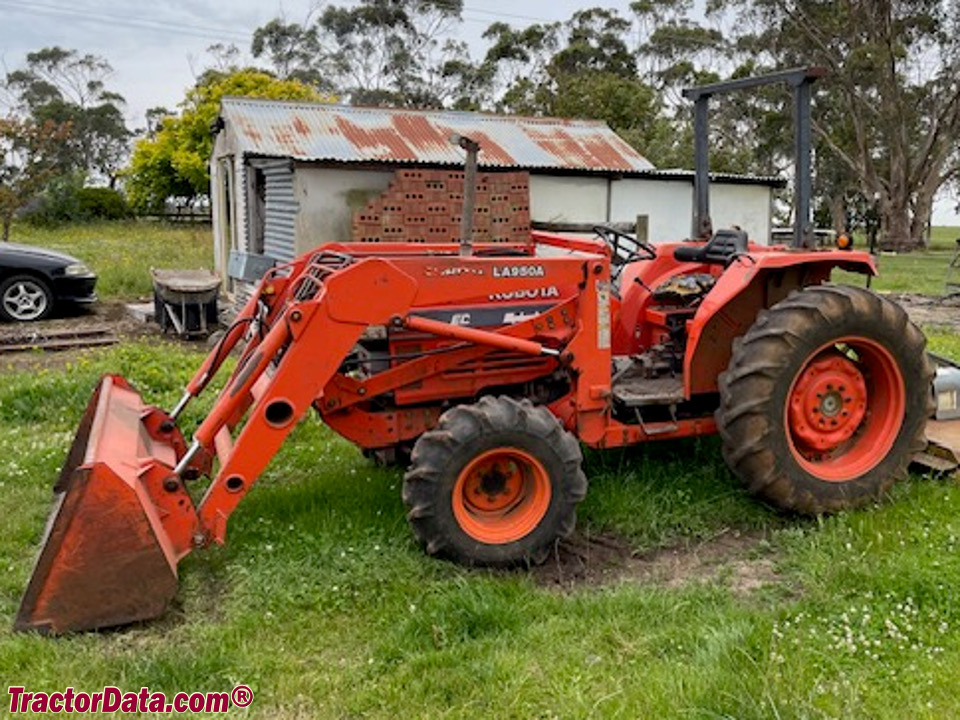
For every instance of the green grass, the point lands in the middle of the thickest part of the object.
(944, 237)
(923, 271)
(122, 253)
(324, 605)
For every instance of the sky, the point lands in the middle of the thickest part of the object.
(157, 49)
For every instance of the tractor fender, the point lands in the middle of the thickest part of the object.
(750, 284)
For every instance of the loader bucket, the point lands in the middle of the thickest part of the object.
(106, 558)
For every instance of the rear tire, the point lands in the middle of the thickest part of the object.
(825, 400)
(495, 483)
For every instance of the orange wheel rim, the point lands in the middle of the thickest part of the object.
(845, 408)
(501, 496)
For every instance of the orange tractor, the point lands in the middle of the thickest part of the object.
(487, 366)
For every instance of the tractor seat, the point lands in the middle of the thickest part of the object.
(721, 249)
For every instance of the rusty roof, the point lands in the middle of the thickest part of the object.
(341, 133)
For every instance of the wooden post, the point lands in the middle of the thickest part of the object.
(643, 228)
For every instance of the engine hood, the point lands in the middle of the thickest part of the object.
(9, 249)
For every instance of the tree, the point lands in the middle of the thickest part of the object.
(890, 111)
(677, 52)
(65, 88)
(375, 52)
(461, 83)
(583, 68)
(293, 51)
(381, 51)
(28, 151)
(517, 63)
(173, 162)
(155, 118)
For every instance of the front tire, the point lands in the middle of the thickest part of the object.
(24, 298)
(495, 483)
(825, 400)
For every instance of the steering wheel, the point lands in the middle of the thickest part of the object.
(626, 248)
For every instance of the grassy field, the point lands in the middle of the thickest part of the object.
(923, 272)
(123, 253)
(324, 605)
(944, 237)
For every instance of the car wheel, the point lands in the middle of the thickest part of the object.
(24, 298)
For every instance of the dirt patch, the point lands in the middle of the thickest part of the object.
(740, 560)
(103, 315)
(930, 310)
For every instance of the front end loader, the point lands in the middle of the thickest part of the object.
(482, 369)
(487, 372)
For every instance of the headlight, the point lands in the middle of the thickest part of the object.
(76, 269)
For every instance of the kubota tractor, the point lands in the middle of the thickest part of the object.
(488, 366)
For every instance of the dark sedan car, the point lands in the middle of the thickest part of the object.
(34, 280)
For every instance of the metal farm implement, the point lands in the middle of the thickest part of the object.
(484, 367)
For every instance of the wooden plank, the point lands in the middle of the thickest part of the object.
(54, 345)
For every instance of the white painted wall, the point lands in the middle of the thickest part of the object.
(748, 206)
(328, 198)
(227, 174)
(568, 199)
(216, 214)
(669, 205)
(666, 203)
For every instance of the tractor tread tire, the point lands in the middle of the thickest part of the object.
(463, 432)
(762, 368)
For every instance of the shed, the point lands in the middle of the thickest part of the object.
(288, 176)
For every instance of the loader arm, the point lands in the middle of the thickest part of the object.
(316, 330)
(124, 519)
(261, 309)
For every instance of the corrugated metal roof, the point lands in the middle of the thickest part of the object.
(722, 177)
(313, 131)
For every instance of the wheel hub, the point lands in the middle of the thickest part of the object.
(501, 495)
(495, 485)
(831, 404)
(828, 402)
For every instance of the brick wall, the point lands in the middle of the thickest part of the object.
(426, 206)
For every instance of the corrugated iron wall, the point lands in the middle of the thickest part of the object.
(281, 209)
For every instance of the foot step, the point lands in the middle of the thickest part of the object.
(641, 392)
